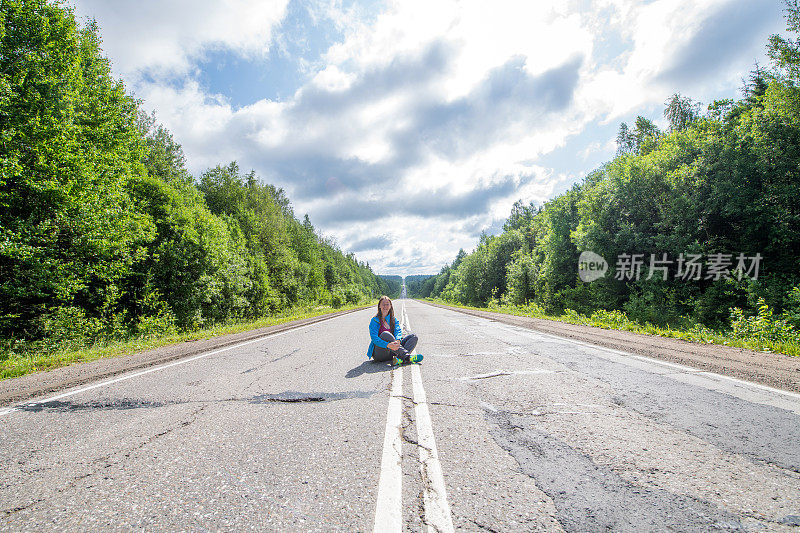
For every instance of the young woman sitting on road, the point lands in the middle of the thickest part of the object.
(384, 330)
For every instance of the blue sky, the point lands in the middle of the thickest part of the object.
(406, 128)
(280, 72)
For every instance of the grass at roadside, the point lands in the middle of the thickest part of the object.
(18, 363)
(617, 320)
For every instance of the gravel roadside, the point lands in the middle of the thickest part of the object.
(14, 390)
(774, 370)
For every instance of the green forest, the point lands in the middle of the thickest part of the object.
(393, 285)
(104, 234)
(719, 188)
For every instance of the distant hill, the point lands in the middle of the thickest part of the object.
(394, 283)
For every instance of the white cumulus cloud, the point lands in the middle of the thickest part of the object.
(420, 125)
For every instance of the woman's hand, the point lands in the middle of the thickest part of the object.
(393, 345)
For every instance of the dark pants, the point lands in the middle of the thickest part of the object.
(407, 345)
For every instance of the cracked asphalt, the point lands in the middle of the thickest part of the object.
(534, 433)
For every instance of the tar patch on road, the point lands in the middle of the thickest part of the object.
(119, 404)
(592, 497)
(297, 397)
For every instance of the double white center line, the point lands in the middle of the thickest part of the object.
(389, 510)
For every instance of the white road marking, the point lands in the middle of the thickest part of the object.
(405, 317)
(506, 373)
(744, 390)
(487, 375)
(437, 510)
(685, 369)
(15, 408)
(389, 510)
(489, 407)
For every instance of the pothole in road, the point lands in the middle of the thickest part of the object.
(301, 397)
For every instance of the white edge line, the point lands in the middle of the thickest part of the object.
(683, 368)
(437, 510)
(668, 364)
(389, 507)
(15, 408)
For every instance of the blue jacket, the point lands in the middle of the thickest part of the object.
(374, 328)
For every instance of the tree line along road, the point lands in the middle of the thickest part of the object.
(500, 429)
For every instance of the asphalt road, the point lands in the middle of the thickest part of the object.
(500, 429)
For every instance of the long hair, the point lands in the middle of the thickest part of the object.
(391, 311)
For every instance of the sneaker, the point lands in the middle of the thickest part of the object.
(416, 358)
(396, 361)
